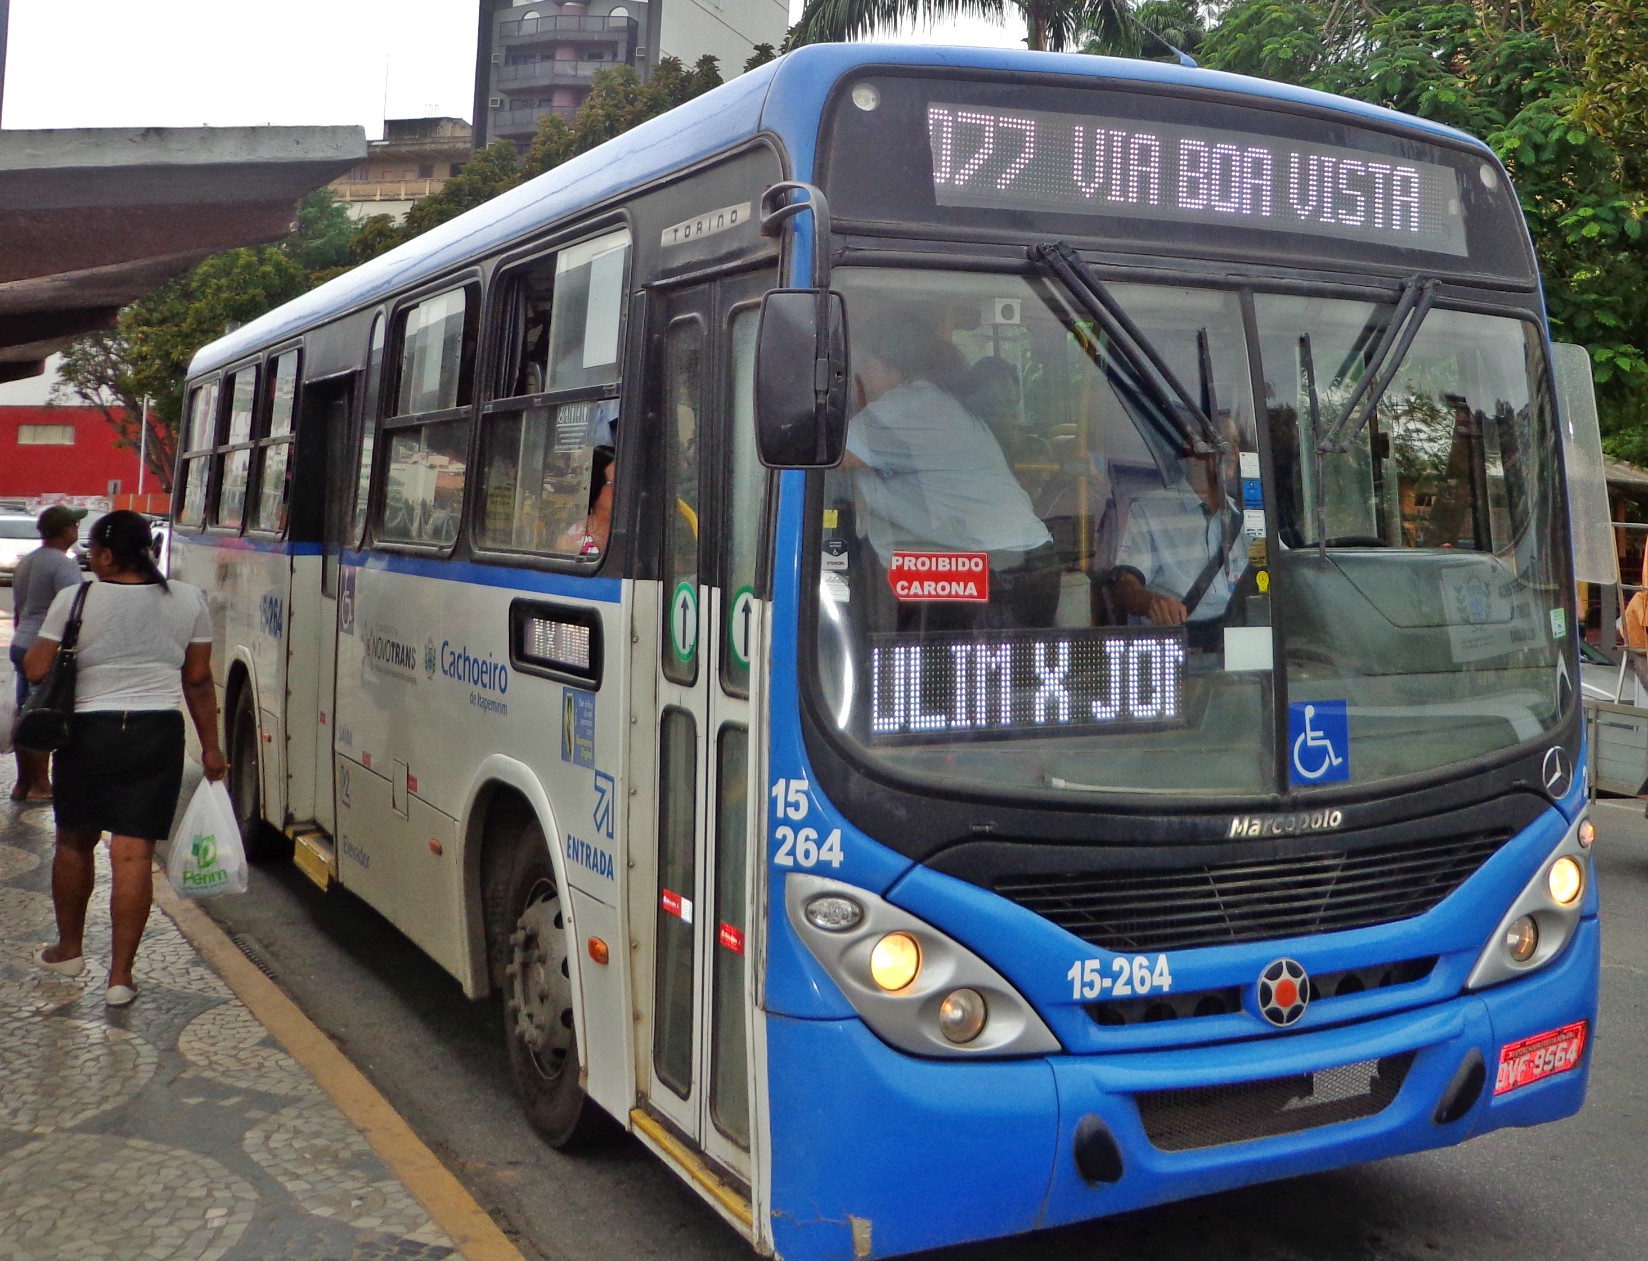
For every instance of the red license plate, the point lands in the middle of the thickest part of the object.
(1534, 1059)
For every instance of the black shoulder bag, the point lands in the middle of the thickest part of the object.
(45, 721)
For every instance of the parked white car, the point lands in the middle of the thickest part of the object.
(18, 537)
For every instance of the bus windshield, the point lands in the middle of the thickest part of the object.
(1054, 561)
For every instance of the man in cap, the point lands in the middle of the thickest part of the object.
(40, 576)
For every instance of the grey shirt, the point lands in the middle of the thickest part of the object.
(40, 576)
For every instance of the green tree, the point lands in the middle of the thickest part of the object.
(1496, 71)
(148, 353)
(95, 373)
(374, 235)
(1156, 29)
(493, 170)
(1054, 25)
(320, 244)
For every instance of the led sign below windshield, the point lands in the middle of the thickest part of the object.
(1024, 682)
(1089, 164)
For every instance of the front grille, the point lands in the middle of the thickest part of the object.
(1216, 904)
(1212, 1116)
(1193, 1003)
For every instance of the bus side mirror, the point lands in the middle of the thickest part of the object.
(801, 379)
(1595, 557)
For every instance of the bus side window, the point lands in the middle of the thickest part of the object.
(197, 462)
(369, 432)
(428, 436)
(545, 460)
(274, 477)
(235, 456)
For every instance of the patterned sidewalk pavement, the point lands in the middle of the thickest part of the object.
(174, 1129)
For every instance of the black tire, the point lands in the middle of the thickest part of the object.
(538, 1026)
(259, 839)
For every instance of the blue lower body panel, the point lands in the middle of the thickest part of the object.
(878, 1153)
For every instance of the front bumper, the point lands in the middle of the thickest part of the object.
(874, 1147)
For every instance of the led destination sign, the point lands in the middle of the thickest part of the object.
(1089, 164)
(1024, 682)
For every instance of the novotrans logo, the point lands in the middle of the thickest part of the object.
(486, 676)
(388, 653)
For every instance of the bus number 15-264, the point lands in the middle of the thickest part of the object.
(1127, 977)
(800, 847)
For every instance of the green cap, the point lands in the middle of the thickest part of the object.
(59, 517)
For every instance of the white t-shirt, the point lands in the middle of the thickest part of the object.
(132, 640)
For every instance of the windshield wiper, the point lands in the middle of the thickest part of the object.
(1146, 368)
(1417, 296)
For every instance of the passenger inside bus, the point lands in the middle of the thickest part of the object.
(589, 540)
(929, 476)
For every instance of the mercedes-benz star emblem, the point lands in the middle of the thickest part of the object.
(1558, 776)
(1284, 992)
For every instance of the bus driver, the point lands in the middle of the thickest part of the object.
(1182, 552)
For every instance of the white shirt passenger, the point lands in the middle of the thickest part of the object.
(132, 640)
(935, 478)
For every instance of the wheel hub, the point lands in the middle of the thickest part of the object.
(540, 993)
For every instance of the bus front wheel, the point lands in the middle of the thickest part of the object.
(257, 837)
(538, 1025)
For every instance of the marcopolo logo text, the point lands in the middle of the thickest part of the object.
(1255, 825)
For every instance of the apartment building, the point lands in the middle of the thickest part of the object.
(415, 158)
(539, 57)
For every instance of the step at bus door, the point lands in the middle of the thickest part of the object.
(697, 1058)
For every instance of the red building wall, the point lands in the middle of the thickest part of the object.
(84, 468)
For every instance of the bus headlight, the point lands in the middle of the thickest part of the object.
(1544, 916)
(1522, 938)
(895, 962)
(961, 1016)
(914, 987)
(1566, 880)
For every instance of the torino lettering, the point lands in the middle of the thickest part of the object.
(1024, 685)
(481, 672)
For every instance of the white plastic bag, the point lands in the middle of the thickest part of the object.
(8, 711)
(206, 857)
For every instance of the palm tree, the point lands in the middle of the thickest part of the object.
(1049, 24)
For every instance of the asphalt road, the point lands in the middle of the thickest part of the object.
(1571, 1190)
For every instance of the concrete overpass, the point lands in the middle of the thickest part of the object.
(91, 220)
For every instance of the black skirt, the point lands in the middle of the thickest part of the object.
(121, 773)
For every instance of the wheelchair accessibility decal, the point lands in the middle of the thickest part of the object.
(1319, 737)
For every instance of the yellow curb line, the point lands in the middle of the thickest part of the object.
(451, 1207)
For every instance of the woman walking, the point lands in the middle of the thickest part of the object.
(40, 576)
(145, 645)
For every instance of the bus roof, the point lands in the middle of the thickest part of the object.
(720, 119)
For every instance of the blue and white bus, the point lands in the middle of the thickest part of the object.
(1070, 702)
